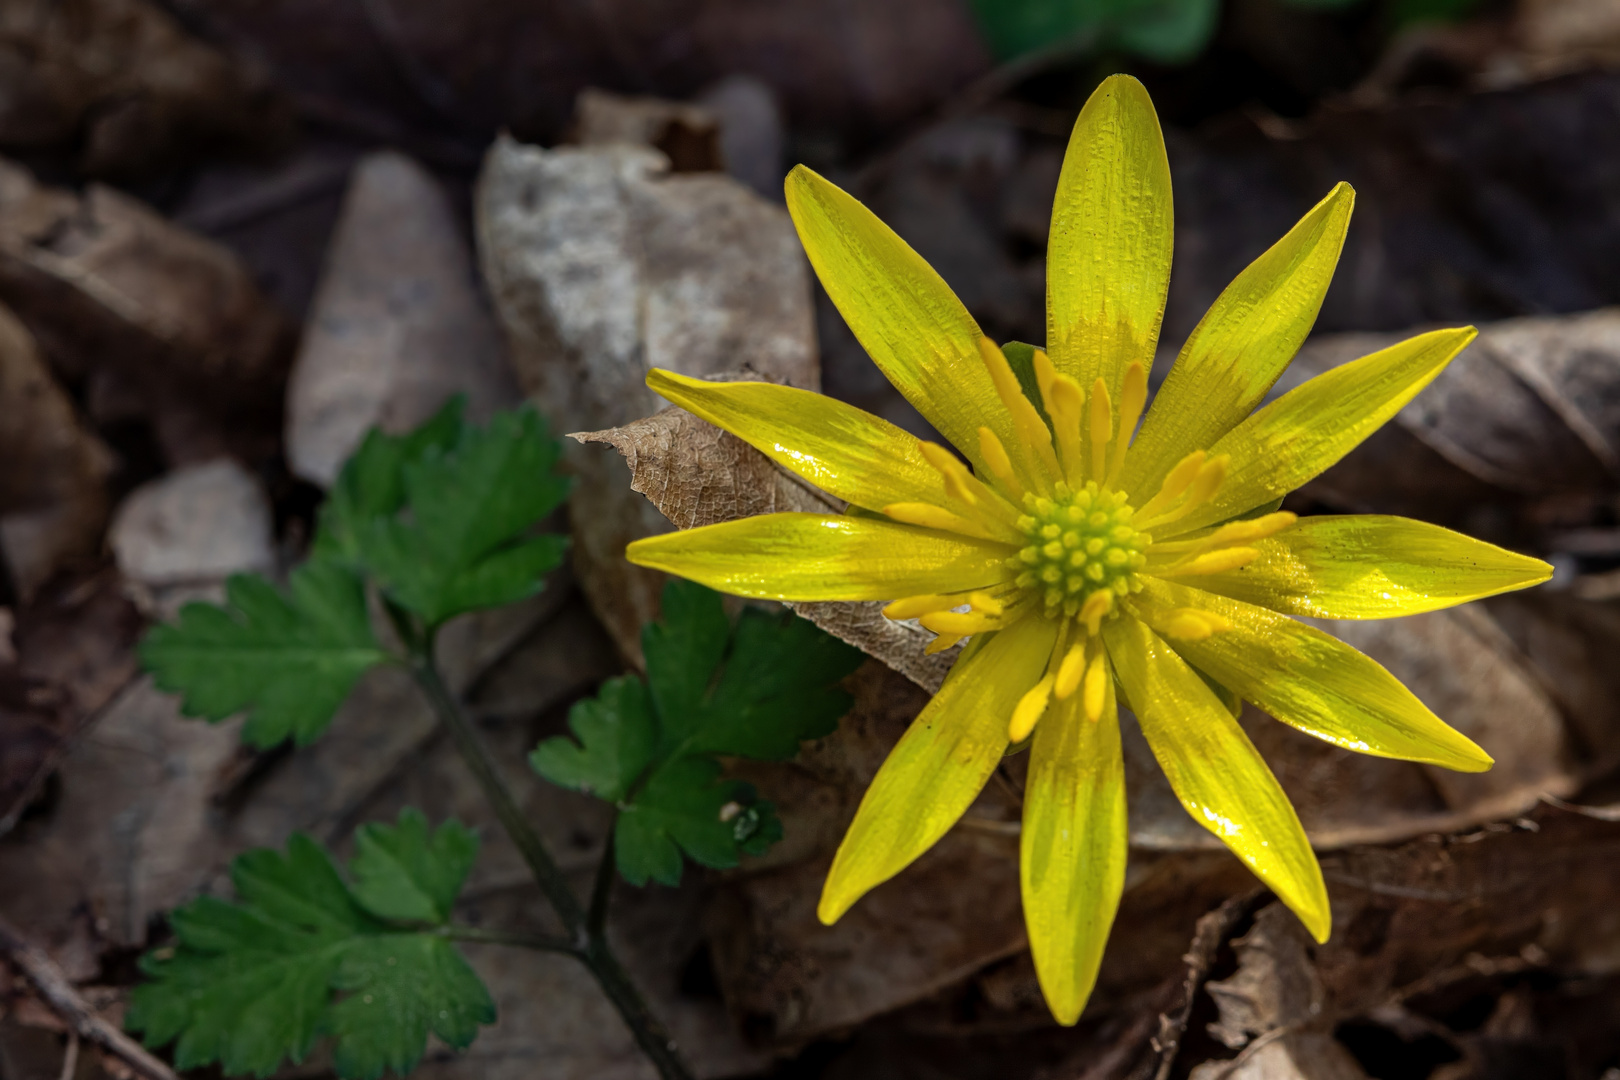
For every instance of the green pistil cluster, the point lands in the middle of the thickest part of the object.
(1080, 543)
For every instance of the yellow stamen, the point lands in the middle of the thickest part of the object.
(1029, 710)
(910, 607)
(1102, 429)
(999, 464)
(1044, 374)
(1179, 479)
(1097, 605)
(1067, 405)
(941, 643)
(1033, 438)
(1096, 692)
(1234, 532)
(958, 481)
(1211, 474)
(1069, 672)
(933, 517)
(1195, 624)
(1132, 397)
(959, 622)
(1212, 562)
(983, 601)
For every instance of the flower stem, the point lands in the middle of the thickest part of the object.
(584, 937)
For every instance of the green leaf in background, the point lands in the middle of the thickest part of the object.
(372, 482)
(299, 957)
(404, 873)
(1164, 31)
(756, 689)
(288, 659)
(464, 539)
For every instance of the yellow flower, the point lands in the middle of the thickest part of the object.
(1087, 569)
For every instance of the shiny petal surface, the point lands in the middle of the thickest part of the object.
(1312, 681)
(904, 315)
(823, 557)
(1312, 426)
(1370, 566)
(1215, 770)
(1242, 344)
(940, 764)
(845, 451)
(1108, 254)
(1072, 848)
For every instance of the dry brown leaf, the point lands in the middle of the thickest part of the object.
(53, 497)
(106, 284)
(122, 85)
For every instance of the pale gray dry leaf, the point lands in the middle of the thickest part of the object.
(397, 324)
(53, 497)
(689, 135)
(107, 285)
(604, 265)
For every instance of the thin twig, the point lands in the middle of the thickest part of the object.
(70, 1059)
(53, 985)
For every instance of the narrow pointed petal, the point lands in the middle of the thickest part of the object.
(1311, 681)
(1243, 343)
(1072, 848)
(823, 557)
(1370, 566)
(940, 764)
(1108, 255)
(844, 451)
(904, 315)
(1215, 770)
(1312, 426)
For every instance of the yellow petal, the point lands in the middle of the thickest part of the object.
(1311, 680)
(1242, 344)
(844, 451)
(905, 316)
(1072, 849)
(939, 765)
(1108, 255)
(1312, 426)
(823, 557)
(1215, 770)
(1368, 566)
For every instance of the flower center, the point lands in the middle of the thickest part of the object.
(1081, 551)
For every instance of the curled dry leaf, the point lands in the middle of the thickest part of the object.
(116, 295)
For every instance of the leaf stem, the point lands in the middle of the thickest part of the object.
(588, 941)
(538, 942)
(602, 890)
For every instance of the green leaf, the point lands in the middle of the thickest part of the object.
(401, 872)
(372, 483)
(1021, 358)
(298, 957)
(754, 689)
(288, 659)
(464, 540)
(1165, 31)
(686, 807)
(618, 740)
